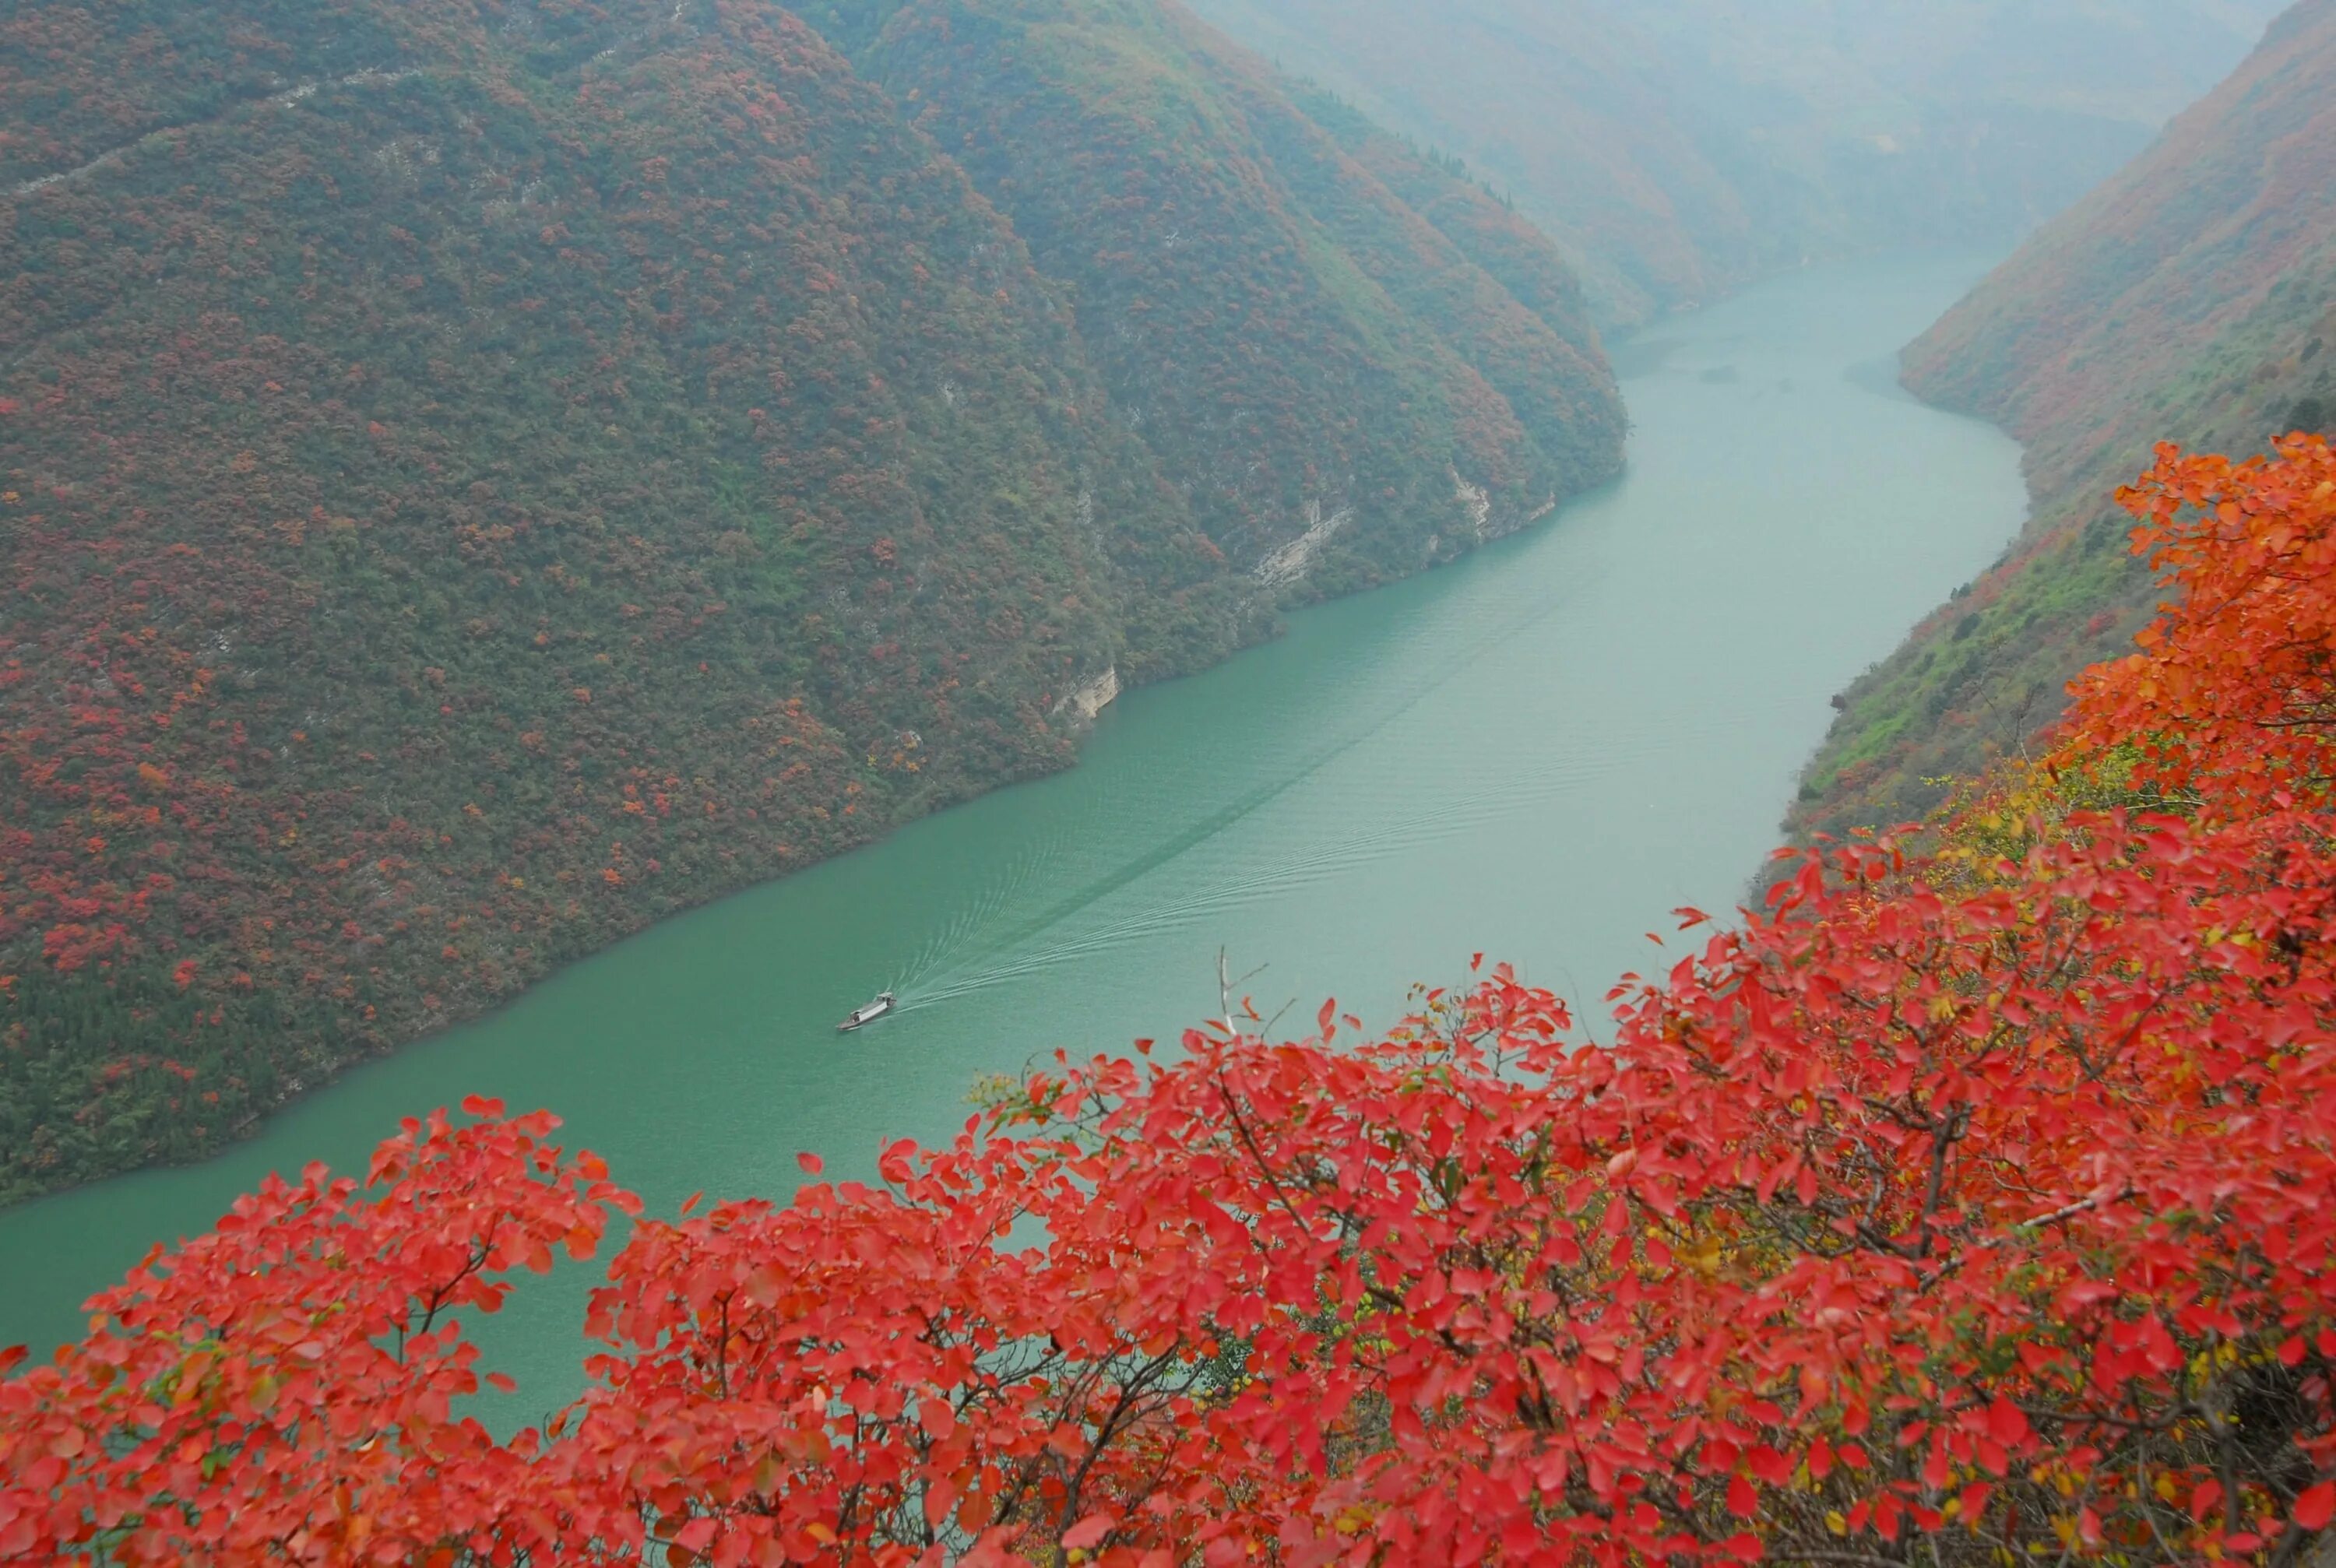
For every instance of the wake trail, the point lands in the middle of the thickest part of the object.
(1214, 825)
(1423, 828)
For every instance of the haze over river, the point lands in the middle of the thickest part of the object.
(1537, 752)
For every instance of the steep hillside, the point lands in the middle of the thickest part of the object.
(1678, 150)
(2191, 299)
(1356, 398)
(479, 475)
(479, 479)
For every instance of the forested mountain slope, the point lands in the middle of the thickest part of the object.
(1357, 369)
(2193, 298)
(1678, 150)
(479, 475)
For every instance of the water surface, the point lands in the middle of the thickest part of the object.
(1536, 751)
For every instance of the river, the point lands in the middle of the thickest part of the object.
(1536, 751)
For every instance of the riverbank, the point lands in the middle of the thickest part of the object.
(1536, 751)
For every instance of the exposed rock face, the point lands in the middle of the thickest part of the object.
(1089, 698)
(1477, 500)
(1289, 562)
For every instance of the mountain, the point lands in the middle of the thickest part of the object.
(1359, 372)
(480, 475)
(2193, 298)
(1678, 150)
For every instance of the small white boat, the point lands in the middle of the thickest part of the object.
(868, 1014)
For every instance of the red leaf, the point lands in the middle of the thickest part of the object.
(765, 1285)
(1087, 1531)
(2316, 1506)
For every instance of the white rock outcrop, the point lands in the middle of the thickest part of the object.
(1477, 500)
(1089, 698)
(1287, 564)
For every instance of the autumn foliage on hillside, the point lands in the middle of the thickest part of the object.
(1974, 1201)
(470, 490)
(480, 476)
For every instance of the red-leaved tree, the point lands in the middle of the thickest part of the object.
(1973, 1201)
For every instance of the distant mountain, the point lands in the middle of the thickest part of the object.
(1678, 150)
(480, 475)
(2192, 298)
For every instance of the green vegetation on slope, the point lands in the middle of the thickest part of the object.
(2192, 299)
(479, 476)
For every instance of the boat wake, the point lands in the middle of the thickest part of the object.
(972, 954)
(1018, 957)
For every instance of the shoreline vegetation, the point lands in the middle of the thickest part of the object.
(476, 492)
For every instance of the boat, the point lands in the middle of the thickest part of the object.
(869, 1014)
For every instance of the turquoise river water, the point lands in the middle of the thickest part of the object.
(1536, 751)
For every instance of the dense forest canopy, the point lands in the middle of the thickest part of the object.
(2192, 298)
(1970, 1204)
(480, 475)
(1678, 150)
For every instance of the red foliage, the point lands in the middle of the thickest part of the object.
(315, 1423)
(1980, 1196)
(2237, 692)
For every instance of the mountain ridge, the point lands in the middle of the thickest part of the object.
(1678, 151)
(486, 474)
